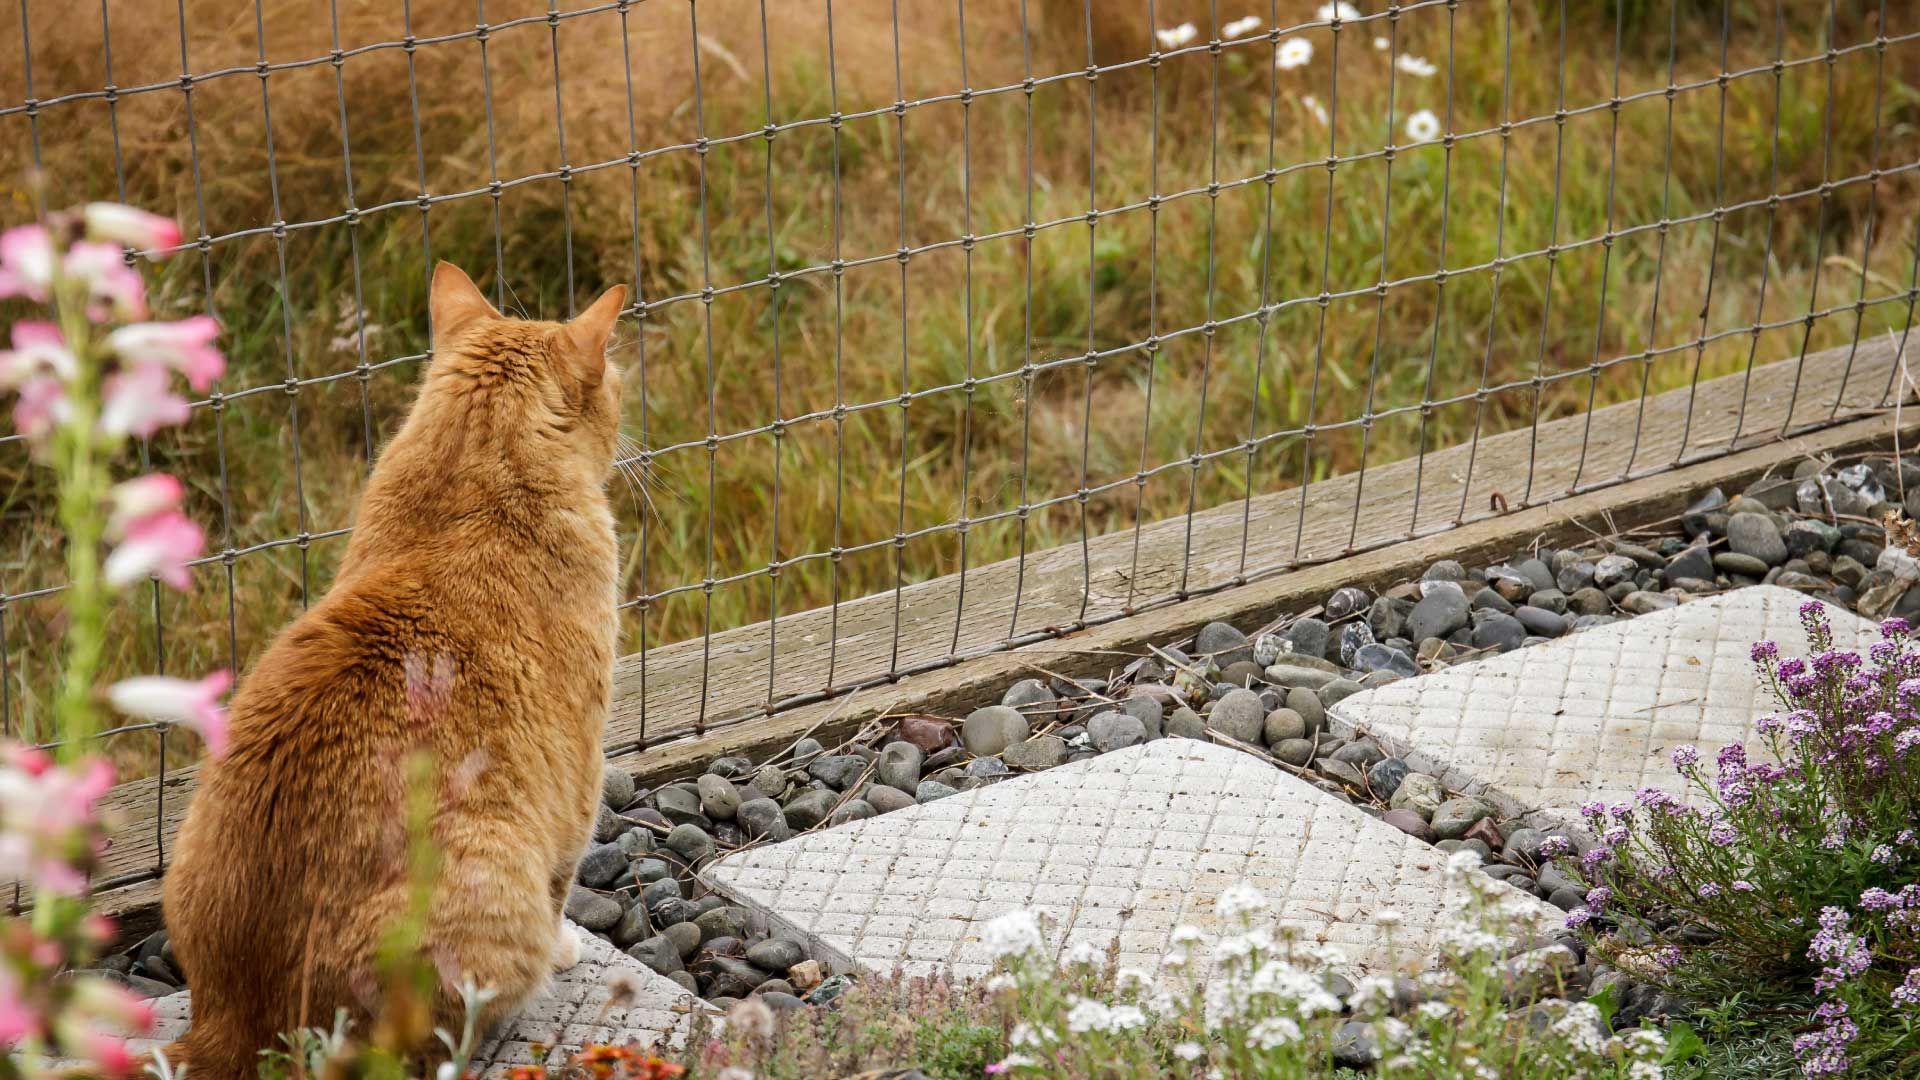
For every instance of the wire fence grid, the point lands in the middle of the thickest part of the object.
(914, 320)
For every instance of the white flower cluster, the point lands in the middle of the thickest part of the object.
(1016, 933)
(1274, 1032)
(1087, 1015)
(1239, 902)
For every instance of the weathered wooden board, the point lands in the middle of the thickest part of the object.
(1068, 591)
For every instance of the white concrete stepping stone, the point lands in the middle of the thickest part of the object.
(1593, 715)
(1123, 847)
(573, 1013)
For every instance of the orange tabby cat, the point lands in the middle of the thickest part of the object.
(472, 619)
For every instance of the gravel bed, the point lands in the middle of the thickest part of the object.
(1262, 689)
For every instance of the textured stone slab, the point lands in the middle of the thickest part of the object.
(1120, 848)
(1595, 714)
(573, 1013)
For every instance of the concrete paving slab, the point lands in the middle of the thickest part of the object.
(573, 1013)
(1595, 714)
(1119, 849)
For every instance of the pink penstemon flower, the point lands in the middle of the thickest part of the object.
(139, 498)
(190, 703)
(49, 813)
(26, 262)
(129, 227)
(158, 545)
(115, 291)
(40, 406)
(139, 402)
(185, 346)
(39, 351)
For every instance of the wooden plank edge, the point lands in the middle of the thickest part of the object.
(970, 683)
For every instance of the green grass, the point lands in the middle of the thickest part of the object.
(1140, 273)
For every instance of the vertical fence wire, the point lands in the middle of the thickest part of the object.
(1191, 236)
(1208, 330)
(1367, 417)
(1773, 184)
(1323, 300)
(906, 348)
(964, 510)
(779, 429)
(1082, 495)
(1659, 258)
(1027, 231)
(639, 373)
(1439, 288)
(1263, 323)
(1152, 348)
(1713, 251)
(1606, 239)
(701, 148)
(1539, 381)
(1867, 230)
(1480, 396)
(1820, 230)
(835, 553)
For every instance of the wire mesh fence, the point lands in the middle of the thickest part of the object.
(925, 288)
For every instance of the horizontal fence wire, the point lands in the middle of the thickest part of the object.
(1204, 84)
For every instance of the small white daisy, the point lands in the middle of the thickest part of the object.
(1274, 1032)
(1189, 1051)
(1292, 53)
(1014, 934)
(1381, 44)
(1178, 36)
(1083, 954)
(1342, 11)
(1421, 127)
(1415, 65)
(1240, 27)
(1239, 900)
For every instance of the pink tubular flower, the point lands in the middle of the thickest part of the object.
(185, 346)
(114, 289)
(26, 262)
(140, 498)
(41, 406)
(48, 814)
(17, 1017)
(178, 701)
(138, 402)
(129, 227)
(160, 545)
(112, 1005)
(38, 350)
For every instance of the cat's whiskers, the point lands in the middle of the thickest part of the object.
(632, 463)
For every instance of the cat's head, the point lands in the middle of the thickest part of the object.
(534, 385)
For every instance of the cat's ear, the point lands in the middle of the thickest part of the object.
(455, 302)
(587, 334)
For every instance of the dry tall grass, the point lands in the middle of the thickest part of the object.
(454, 115)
